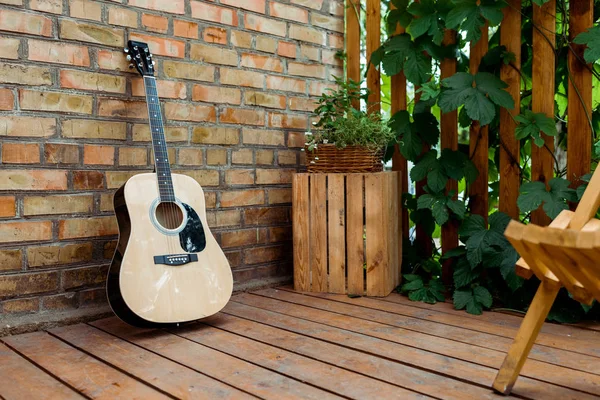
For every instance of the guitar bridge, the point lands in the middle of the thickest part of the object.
(175, 259)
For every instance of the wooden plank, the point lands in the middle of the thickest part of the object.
(510, 150)
(318, 232)
(21, 380)
(373, 29)
(163, 374)
(211, 361)
(66, 362)
(542, 98)
(353, 43)
(339, 330)
(336, 223)
(588, 205)
(354, 233)
(579, 139)
(478, 139)
(301, 232)
(396, 234)
(372, 366)
(376, 238)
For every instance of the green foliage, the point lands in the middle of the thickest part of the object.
(473, 299)
(591, 38)
(533, 194)
(401, 53)
(417, 290)
(532, 124)
(471, 16)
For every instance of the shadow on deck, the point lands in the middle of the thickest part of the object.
(278, 344)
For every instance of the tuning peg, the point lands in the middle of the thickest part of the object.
(130, 66)
(128, 57)
(125, 50)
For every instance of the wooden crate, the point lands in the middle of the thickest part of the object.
(347, 235)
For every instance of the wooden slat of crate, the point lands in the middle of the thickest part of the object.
(337, 236)
(354, 233)
(300, 222)
(318, 232)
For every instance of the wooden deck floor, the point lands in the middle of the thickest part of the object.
(277, 344)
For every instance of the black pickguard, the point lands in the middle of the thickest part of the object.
(192, 237)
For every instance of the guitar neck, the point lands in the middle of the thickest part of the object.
(159, 143)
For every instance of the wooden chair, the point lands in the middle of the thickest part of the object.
(566, 253)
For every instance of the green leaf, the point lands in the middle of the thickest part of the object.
(425, 201)
(377, 56)
(455, 252)
(420, 170)
(420, 26)
(418, 291)
(429, 90)
(483, 296)
(473, 299)
(453, 163)
(475, 247)
(424, 219)
(440, 213)
(471, 172)
(413, 285)
(426, 126)
(540, 2)
(417, 67)
(494, 88)
(591, 38)
(457, 207)
(531, 196)
(400, 122)
(499, 221)
(463, 118)
(531, 124)
(411, 145)
(437, 179)
(463, 274)
(470, 226)
(471, 16)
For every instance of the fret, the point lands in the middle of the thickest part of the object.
(159, 144)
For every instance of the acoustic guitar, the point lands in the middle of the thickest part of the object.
(167, 268)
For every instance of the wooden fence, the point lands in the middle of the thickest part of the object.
(542, 162)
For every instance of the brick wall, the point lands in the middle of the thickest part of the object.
(236, 79)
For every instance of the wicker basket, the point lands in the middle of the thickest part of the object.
(327, 158)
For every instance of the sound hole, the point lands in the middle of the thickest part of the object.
(169, 215)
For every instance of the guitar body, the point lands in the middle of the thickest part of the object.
(167, 268)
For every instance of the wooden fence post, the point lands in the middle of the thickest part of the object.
(353, 43)
(373, 43)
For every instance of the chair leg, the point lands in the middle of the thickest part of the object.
(530, 328)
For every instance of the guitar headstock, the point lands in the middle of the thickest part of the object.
(141, 58)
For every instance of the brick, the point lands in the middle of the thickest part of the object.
(286, 157)
(296, 139)
(161, 46)
(251, 5)
(155, 23)
(190, 112)
(258, 255)
(12, 2)
(203, 177)
(215, 135)
(27, 126)
(55, 101)
(113, 60)
(21, 306)
(266, 44)
(87, 227)
(336, 41)
(106, 202)
(285, 49)
(10, 260)
(58, 204)
(190, 156)
(302, 104)
(216, 94)
(84, 277)
(240, 176)
(263, 137)
(240, 198)
(219, 219)
(133, 156)
(109, 249)
(292, 13)
(279, 196)
(208, 12)
(92, 298)
(307, 70)
(60, 302)
(25, 74)
(34, 179)
(88, 180)
(265, 157)
(75, 79)
(243, 156)
(240, 39)
(252, 98)
(280, 234)
(115, 179)
(85, 9)
(213, 54)
(98, 155)
(334, 72)
(61, 53)
(242, 78)
(50, 6)
(314, 4)
(174, 69)
(235, 260)
(122, 16)
(92, 129)
(166, 89)
(262, 62)
(185, 29)
(91, 33)
(22, 22)
(171, 6)
(307, 34)
(243, 237)
(330, 57)
(273, 176)
(22, 231)
(21, 153)
(9, 48)
(56, 153)
(336, 8)
(318, 88)
(8, 206)
(141, 133)
(309, 52)
(210, 199)
(214, 34)
(43, 256)
(286, 84)
(7, 99)
(122, 108)
(242, 116)
(216, 157)
(327, 22)
(265, 25)
(290, 121)
(266, 215)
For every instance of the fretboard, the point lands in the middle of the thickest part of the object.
(161, 157)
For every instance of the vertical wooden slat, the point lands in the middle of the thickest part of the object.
(300, 228)
(354, 233)
(478, 140)
(336, 222)
(395, 218)
(377, 250)
(579, 138)
(373, 43)
(318, 243)
(510, 36)
(542, 100)
(353, 43)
